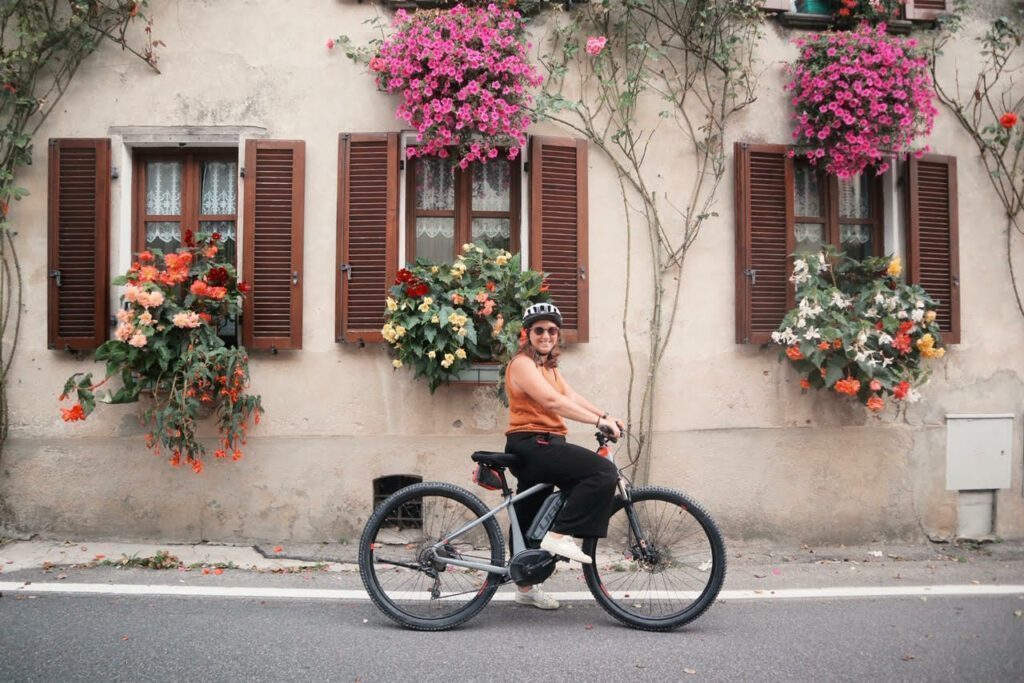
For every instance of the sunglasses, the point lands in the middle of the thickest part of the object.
(539, 331)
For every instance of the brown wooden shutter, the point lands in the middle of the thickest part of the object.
(927, 10)
(775, 5)
(272, 251)
(367, 232)
(558, 227)
(932, 251)
(764, 240)
(79, 229)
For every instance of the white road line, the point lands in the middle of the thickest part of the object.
(502, 596)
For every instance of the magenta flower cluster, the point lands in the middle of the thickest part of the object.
(860, 97)
(463, 76)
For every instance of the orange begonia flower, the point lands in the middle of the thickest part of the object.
(849, 386)
(73, 414)
(794, 353)
(875, 404)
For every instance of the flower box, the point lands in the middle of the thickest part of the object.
(479, 373)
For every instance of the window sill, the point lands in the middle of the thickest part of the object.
(799, 20)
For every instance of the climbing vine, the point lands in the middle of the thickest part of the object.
(988, 105)
(651, 82)
(43, 44)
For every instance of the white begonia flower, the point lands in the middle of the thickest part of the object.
(861, 356)
(879, 299)
(891, 303)
(913, 396)
(862, 337)
(872, 361)
(886, 361)
(884, 338)
(919, 304)
(871, 312)
(902, 315)
(777, 337)
(823, 263)
(917, 315)
(801, 322)
(839, 301)
(812, 333)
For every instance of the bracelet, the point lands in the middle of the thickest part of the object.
(598, 423)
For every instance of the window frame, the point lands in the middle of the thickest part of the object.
(191, 178)
(463, 212)
(831, 220)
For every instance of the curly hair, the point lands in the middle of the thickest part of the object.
(526, 349)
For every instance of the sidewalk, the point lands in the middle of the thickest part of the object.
(751, 565)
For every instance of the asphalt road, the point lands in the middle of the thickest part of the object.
(55, 637)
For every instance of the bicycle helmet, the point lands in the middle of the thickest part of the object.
(542, 311)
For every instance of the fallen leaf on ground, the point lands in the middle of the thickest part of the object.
(61, 577)
(689, 671)
(1018, 613)
(907, 658)
(589, 627)
(124, 637)
(924, 598)
(278, 549)
(205, 570)
(776, 571)
(100, 557)
(218, 571)
(975, 582)
(875, 553)
(760, 576)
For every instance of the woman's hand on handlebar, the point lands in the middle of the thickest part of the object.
(611, 426)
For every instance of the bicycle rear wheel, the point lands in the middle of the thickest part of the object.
(679, 575)
(405, 581)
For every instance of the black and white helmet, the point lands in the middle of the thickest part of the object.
(542, 311)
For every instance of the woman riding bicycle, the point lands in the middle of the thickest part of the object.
(539, 400)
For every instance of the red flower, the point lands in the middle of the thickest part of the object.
(146, 256)
(1008, 120)
(823, 346)
(879, 325)
(901, 390)
(217, 276)
(794, 353)
(805, 383)
(188, 239)
(849, 386)
(417, 290)
(901, 343)
(876, 404)
(9, 87)
(244, 287)
(875, 385)
(404, 276)
(215, 237)
(906, 326)
(73, 414)
(490, 286)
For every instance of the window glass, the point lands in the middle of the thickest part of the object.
(435, 238)
(163, 235)
(807, 190)
(809, 236)
(163, 188)
(491, 186)
(218, 188)
(435, 184)
(857, 239)
(855, 197)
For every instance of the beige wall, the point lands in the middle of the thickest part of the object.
(733, 429)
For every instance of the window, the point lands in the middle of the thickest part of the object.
(785, 205)
(844, 213)
(448, 206)
(186, 190)
(445, 208)
(410, 514)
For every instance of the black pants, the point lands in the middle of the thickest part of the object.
(588, 478)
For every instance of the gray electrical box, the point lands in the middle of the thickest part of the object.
(978, 451)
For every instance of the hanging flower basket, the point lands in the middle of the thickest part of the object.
(860, 98)
(858, 330)
(463, 77)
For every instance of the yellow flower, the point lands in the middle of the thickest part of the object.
(435, 319)
(424, 307)
(428, 300)
(466, 247)
(461, 353)
(462, 332)
(929, 317)
(431, 354)
(501, 259)
(388, 332)
(895, 267)
(434, 269)
(925, 344)
(399, 332)
(448, 360)
(397, 363)
(392, 304)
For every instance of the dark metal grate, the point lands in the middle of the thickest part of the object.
(410, 514)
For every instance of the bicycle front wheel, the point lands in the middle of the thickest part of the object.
(406, 580)
(662, 563)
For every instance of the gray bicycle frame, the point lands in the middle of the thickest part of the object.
(517, 543)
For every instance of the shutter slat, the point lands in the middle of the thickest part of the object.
(367, 233)
(763, 217)
(274, 216)
(927, 10)
(78, 235)
(559, 227)
(933, 260)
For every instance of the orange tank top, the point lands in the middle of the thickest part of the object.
(526, 415)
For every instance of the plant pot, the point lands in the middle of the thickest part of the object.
(814, 6)
(480, 372)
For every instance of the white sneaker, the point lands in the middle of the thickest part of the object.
(565, 547)
(535, 597)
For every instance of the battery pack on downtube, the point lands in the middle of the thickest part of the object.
(546, 516)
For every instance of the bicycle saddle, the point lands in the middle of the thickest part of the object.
(496, 459)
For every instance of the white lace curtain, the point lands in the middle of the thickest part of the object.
(218, 196)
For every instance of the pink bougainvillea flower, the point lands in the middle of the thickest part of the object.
(330, 43)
